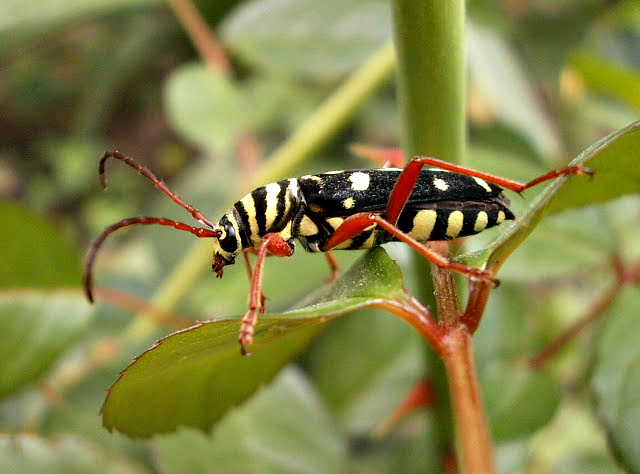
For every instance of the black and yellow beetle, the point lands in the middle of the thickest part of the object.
(351, 210)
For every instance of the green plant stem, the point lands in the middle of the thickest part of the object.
(329, 118)
(429, 37)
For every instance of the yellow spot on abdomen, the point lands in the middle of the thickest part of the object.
(423, 224)
(500, 217)
(482, 219)
(370, 242)
(307, 227)
(335, 222)
(454, 223)
(359, 181)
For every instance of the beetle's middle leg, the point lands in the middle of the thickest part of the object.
(333, 266)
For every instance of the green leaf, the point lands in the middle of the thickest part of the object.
(519, 401)
(304, 37)
(35, 328)
(609, 78)
(194, 376)
(616, 380)
(614, 159)
(380, 359)
(29, 453)
(563, 244)
(588, 463)
(505, 86)
(284, 428)
(204, 105)
(35, 251)
(20, 15)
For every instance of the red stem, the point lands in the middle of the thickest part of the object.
(470, 420)
(419, 318)
(201, 35)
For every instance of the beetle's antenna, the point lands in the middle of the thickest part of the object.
(197, 215)
(95, 245)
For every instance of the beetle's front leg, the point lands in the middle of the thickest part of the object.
(354, 225)
(272, 244)
(247, 264)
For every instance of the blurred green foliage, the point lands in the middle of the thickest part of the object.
(547, 79)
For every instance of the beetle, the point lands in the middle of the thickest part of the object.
(349, 209)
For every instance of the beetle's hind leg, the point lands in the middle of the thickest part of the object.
(355, 224)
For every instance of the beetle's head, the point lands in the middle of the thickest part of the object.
(228, 245)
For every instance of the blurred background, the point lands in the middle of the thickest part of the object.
(203, 95)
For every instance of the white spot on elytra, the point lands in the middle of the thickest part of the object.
(501, 217)
(359, 181)
(482, 219)
(482, 183)
(454, 223)
(440, 184)
(348, 203)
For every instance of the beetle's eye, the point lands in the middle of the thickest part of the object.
(228, 242)
(231, 232)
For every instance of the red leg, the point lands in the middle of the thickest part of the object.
(197, 215)
(95, 245)
(511, 184)
(352, 226)
(247, 264)
(333, 266)
(272, 244)
(355, 224)
(409, 176)
(402, 190)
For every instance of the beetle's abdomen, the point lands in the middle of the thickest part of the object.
(449, 220)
